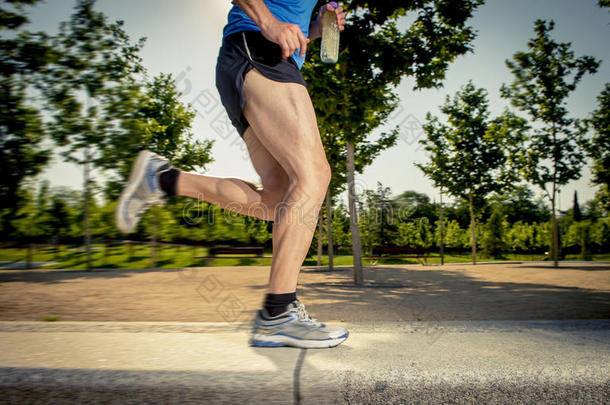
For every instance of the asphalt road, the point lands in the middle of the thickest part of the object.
(414, 362)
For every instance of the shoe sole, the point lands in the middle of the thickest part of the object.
(283, 340)
(135, 177)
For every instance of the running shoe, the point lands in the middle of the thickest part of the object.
(294, 328)
(142, 190)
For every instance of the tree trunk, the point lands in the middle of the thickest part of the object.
(442, 219)
(329, 229)
(87, 211)
(353, 214)
(320, 231)
(555, 232)
(584, 241)
(153, 246)
(473, 234)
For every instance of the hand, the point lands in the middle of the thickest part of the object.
(288, 36)
(316, 29)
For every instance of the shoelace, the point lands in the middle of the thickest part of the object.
(304, 316)
(148, 204)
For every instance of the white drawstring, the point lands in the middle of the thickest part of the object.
(243, 34)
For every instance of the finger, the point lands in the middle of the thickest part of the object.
(340, 18)
(295, 44)
(292, 45)
(303, 42)
(341, 23)
(285, 49)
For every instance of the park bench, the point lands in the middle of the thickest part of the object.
(382, 252)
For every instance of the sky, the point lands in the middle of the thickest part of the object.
(183, 38)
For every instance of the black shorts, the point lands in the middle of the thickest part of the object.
(241, 52)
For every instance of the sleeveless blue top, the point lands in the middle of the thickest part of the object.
(290, 11)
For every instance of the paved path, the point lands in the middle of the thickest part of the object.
(413, 362)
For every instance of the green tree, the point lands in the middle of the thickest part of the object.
(544, 77)
(424, 232)
(471, 156)
(412, 204)
(22, 54)
(520, 237)
(32, 218)
(520, 204)
(151, 118)
(455, 235)
(378, 216)
(600, 235)
(599, 146)
(59, 219)
(356, 95)
(341, 226)
(576, 214)
(407, 234)
(494, 239)
(92, 56)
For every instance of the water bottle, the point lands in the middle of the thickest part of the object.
(329, 51)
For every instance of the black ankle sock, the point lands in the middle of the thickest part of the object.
(168, 180)
(276, 304)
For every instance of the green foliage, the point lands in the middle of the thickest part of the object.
(520, 204)
(407, 234)
(21, 131)
(470, 155)
(455, 237)
(578, 235)
(413, 204)
(599, 146)
(340, 226)
(377, 217)
(494, 235)
(544, 77)
(151, 118)
(92, 58)
(21, 134)
(576, 214)
(31, 219)
(424, 232)
(356, 95)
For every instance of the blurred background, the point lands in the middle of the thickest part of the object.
(83, 93)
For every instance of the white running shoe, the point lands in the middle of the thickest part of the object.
(294, 328)
(142, 190)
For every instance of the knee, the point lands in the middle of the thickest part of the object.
(314, 181)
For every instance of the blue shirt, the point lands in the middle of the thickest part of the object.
(290, 11)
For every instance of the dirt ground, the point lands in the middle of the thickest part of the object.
(391, 293)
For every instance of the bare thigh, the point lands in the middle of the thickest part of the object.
(273, 177)
(283, 120)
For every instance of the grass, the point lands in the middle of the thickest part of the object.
(74, 257)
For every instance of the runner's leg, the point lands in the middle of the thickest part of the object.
(284, 121)
(239, 195)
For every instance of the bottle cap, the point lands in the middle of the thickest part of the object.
(334, 4)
